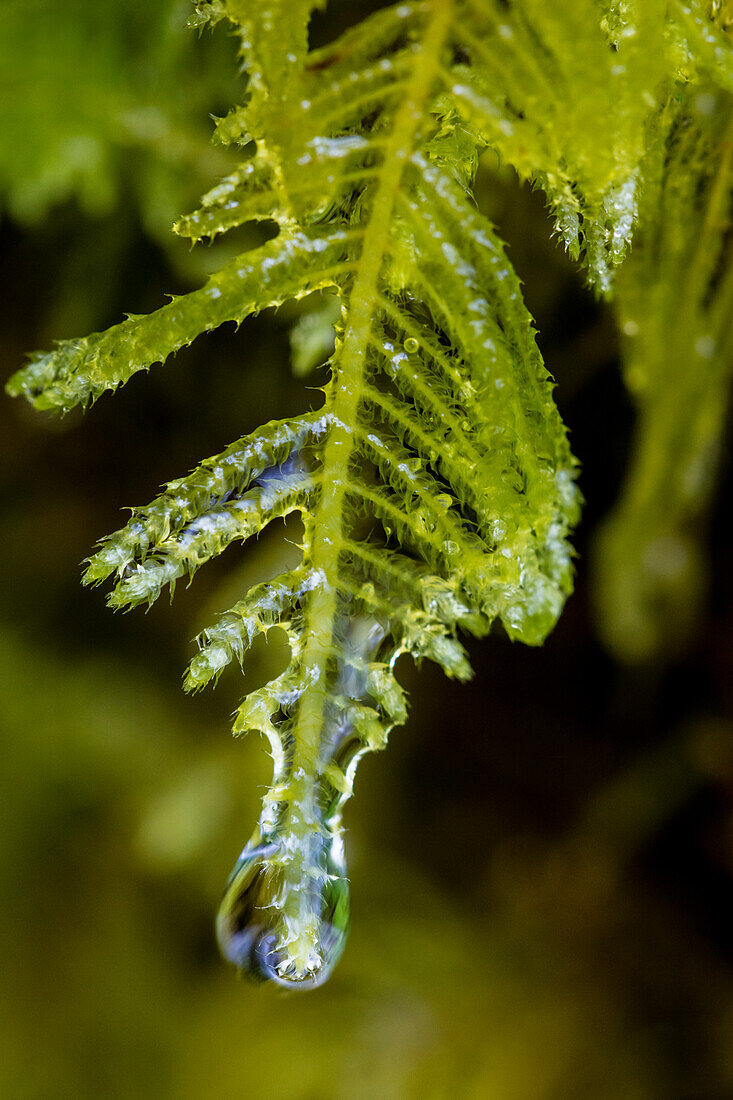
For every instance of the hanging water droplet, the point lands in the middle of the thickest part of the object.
(282, 928)
(411, 345)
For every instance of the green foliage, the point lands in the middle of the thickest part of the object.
(435, 483)
(675, 303)
(101, 99)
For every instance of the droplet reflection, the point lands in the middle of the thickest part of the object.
(253, 931)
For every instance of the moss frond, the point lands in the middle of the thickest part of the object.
(438, 434)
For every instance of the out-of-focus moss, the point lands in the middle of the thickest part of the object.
(101, 99)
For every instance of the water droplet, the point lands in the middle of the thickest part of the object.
(284, 928)
(411, 345)
(705, 103)
(705, 347)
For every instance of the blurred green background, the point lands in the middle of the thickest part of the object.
(542, 862)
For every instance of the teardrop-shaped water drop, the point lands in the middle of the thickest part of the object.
(290, 933)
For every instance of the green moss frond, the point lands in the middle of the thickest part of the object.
(438, 436)
(675, 303)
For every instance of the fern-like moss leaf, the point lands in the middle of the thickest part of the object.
(435, 482)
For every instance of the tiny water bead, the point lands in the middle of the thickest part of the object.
(411, 345)
(291, 933)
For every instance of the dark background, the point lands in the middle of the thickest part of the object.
(542, 861)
